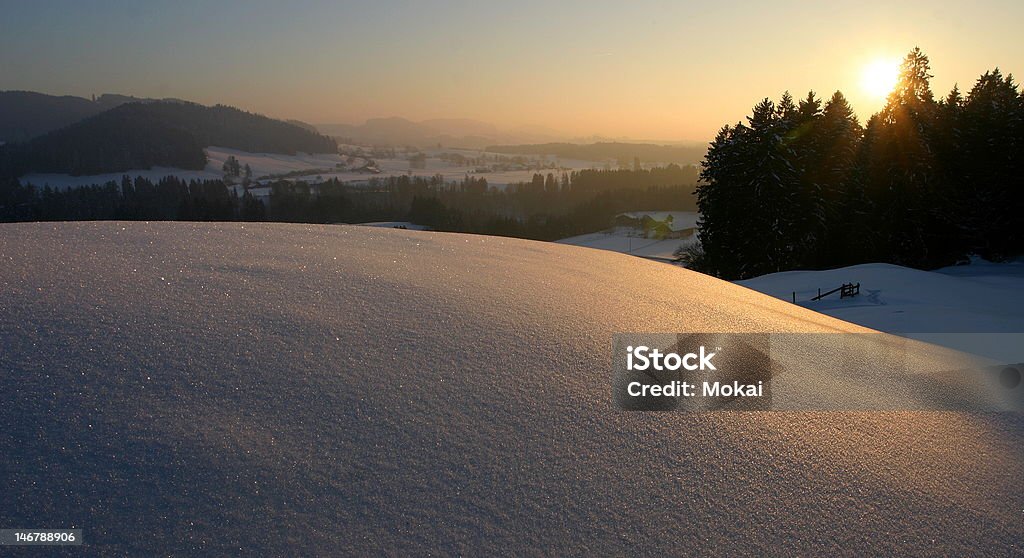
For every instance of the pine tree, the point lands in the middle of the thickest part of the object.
(804, 139)
(231, 166)
(750, 218)
(251, 209)
(720, 222)
(837, 137)
(989, 160)
(786, 111)
(923, 183)
(903, 174)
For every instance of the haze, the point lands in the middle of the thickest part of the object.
(643, 70)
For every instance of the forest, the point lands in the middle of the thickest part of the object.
(160, 133)
(549, 207)
(27, 114)
(924, 183)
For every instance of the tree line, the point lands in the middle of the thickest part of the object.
(548, 207)
(167, 199)
(924, 183)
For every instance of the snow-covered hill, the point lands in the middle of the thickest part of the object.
(630, 240)
(980, 298)
(262, 389)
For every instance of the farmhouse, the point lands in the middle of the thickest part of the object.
(659, 224)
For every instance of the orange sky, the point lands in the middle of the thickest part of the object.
(645, 70)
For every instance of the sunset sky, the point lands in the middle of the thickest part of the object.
(645, 70)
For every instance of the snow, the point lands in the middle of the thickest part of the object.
(681, 220)
(628, 240)
(271, 163)
(396, 225)
(618, 240)
(266, 389)
(980, 300)
(311, 166)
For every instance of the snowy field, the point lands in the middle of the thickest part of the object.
(680, 219)
(630, 241)
(265, 389)
(396, 225)
(980, 298)
(618, 240)
(314, 167)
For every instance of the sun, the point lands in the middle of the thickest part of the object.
(880, 76)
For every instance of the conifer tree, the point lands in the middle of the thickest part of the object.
(989, 161)
(903, 174)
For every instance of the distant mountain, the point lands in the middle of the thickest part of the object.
(450, 132)
(159, 133)
(463, 127)
(382, 130)
(619, 151)
(27, 114)
(536, 133)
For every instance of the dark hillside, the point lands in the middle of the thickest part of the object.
(163, 133)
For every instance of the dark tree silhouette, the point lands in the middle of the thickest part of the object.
(923, 184)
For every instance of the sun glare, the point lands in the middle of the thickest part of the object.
(880, 77)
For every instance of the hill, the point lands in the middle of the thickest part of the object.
(161, 133)
(957, 301)
(27, 114)
(312, 390)
(624, 152)
(303, 125)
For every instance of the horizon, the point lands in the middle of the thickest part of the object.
(646, 72)
(241, 317)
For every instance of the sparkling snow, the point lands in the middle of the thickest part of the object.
(263, 389)
(980, 298)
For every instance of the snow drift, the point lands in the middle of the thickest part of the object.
(297, 390)
(973, 304)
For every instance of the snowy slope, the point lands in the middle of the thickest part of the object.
(178, 388)
(396, 225)
(625, 243)
(981, 298)
(628, 240)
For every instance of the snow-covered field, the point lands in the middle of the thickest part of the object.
(266, 389)
(621, 241)
(396, 225)
(982, 298)
(630, 241)
(680, 219)
(320, 165)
